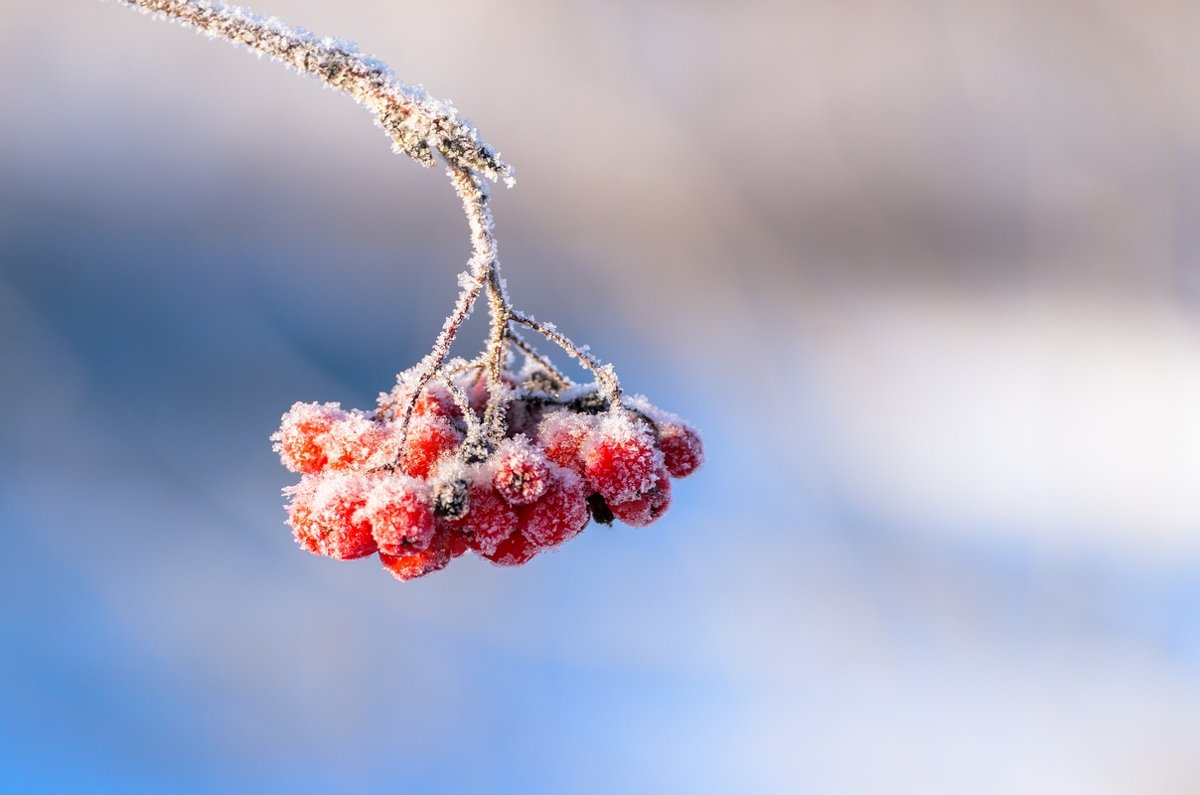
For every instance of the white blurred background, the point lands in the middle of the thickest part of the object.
(926, 274)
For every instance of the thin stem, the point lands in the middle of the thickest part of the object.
(479, 218)
(494, 417)
(606, 377)
(463, 403)
(463, 366)
(519, 342)
(483, 262)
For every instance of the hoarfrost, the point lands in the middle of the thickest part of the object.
(416, 123)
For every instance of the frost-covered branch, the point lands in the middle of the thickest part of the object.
(416, 122)
(558, 378)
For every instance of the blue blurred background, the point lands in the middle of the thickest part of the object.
(926, 274)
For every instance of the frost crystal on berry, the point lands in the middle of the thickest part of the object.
(561, 514)
(487, 522)
(619, 458)
(522, 472)
(302, 436)
(682, 450)
(561, 433)
(503, 457)
(338, 524)
(414, 563)
(354, 440)
(429, 439)
(647, 506)
(400, 510)
(516, 550)
(300, 514)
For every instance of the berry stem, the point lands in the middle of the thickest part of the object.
(483, 264)
(606, 376)
(463, 403)
(519, 342)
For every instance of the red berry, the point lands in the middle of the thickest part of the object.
(400, 513)
(356, 441)
(515, 550)
(648, 506)
(327, 517)
(452, 538)
(619, 458)
(521, 474)
(299, 438)
(560, 435)
(414, 563)
(429, 439)
(435, 401)
(560, 514)
(489, 519)
(683, 453)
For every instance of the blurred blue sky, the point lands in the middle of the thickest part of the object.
(924, 274)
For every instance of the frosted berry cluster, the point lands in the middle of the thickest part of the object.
(460, 455)
(419, 499)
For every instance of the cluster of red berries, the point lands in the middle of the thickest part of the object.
(421, 498)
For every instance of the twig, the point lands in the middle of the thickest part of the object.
(416, 122)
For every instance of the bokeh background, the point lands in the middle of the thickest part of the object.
(926, 274)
